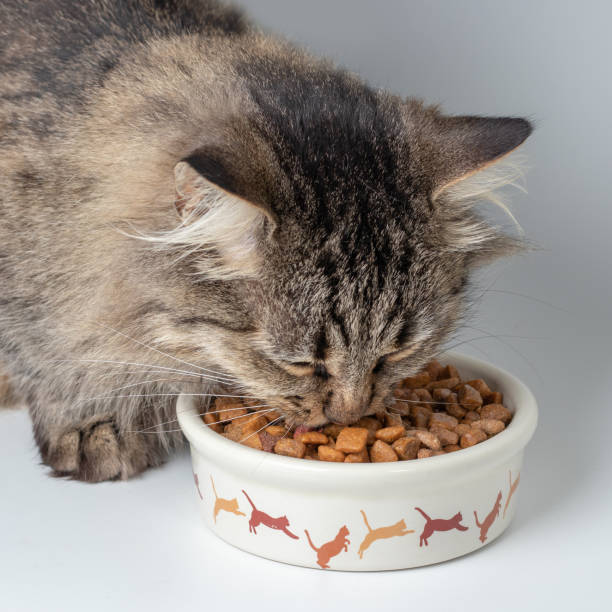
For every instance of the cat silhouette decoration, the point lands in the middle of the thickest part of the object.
(433, 525)
(258, 517)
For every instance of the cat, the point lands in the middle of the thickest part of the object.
(330, 549)
(398, 529)
(190, 204)
(432, 525)
(228, 505)
(489, 520)
(261, 518)
(513, 487)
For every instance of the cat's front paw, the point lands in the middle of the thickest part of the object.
(94, 451)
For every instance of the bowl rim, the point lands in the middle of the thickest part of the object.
(237, 457)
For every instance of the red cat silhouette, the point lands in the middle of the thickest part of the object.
(197, 484)
(330, 549)
(261, 518)
(513, 486)
(439, 525)
(486, 524)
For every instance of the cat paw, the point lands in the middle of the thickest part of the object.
(95, 451)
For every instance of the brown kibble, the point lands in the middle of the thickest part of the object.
(434, 369)
(332, 430)
(496, 411)
(450, 371)
(326, 453)
(429, 439)
(393, 420)
(420, 416)
(210, 418)
(469, 398)
(489, 426)
(251, 422)
(253, 440)
(381, 452)
(312, 452)
(470, 417)
(276, 430)
(451, 448)
(480, 386)
(390, 434)
(290, 448)
(313, 437)
(372, 425)
(441, 395)
(352, 439)
(462, 428)
(455, 409)
(424, 453)
(423, 395)
(228, 408)
(495, 397)
(405, 394)
(407, 447)
(268, 441)
(441, 419)
(446, 436)
(361, 457)
(474, 436)
(416, 382)
(446, 383)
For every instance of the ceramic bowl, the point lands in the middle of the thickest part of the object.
(372, 516)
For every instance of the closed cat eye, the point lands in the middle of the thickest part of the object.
(305, 368)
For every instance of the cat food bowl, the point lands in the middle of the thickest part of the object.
(363, 516)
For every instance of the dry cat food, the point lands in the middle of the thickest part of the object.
(434, 413)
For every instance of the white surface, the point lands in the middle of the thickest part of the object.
(140, 546)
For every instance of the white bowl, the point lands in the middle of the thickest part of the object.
(329, 500)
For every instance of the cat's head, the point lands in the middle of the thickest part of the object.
(344, 531)
(326, 239)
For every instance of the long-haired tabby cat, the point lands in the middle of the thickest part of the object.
(187, 203)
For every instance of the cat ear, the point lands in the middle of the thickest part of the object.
(220, 215)
(463, 146)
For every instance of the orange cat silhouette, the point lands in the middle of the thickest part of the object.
(229, 505)
(486, 524)
(197, 484)
(439, 525)
(513, 486)
(398, 529)
(330, 549)
(259, 517)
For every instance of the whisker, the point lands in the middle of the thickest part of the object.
(101, 397)
(131, 363)
(529, 297)
(193, 365)
(256, 432)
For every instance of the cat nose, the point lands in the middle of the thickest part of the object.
(344, 409)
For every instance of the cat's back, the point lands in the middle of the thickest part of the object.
(59, 48)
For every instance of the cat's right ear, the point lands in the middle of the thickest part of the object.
(220, 216)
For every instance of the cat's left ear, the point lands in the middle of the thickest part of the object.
(458, 147)
(221, 213)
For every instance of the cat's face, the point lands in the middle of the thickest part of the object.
(342, 259)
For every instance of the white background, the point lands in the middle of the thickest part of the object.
(138, 545)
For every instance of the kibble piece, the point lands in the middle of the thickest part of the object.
(210, 418)
(420, 415)
(332, 430)
(372, 425)
(276, 430)
(446, 383)
(446, 436)
(403, 408)
(416, 382)
(429, 439)
(470, 417)
(228, 408)
(361, 457)
(273, 415)
(268, 441)
(326, 453)
(407, 447)
(390, 434)
(352, 439)
(254, 441)
(423, 395)
(313, 437)
(450, 371)
(393, 420)
(451, 448)
(455, 409)
(469, 398)
(424, 453)
(480, 386)
(474, 436)
(405, 394)
(462, 428)
(233, 431)
(496, 411)
(441, 419)
(312, 452)
(381, 452)
(434, 368)
(495, 397)
(290, 448)
(441, 395)
(251, 423)
(489, 426)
